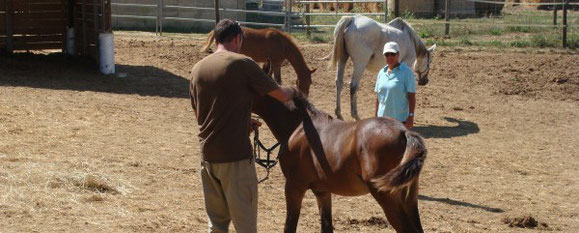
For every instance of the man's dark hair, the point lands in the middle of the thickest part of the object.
(226, 30)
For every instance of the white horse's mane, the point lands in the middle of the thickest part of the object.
(399, 24)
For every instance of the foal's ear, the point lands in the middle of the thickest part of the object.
(431, 49)
(312, 71)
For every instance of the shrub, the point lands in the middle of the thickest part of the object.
(496, 31)
(465, 41)
(544, 41)
(519, 43)
(573, 41)
(519, 29)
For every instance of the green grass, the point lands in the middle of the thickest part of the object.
(493, 43)
(519, 43)
(464, 40)
(543, 41)
(573, 41)
(496, 31)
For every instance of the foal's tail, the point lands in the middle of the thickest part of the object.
(408, 169)
(338, 50)
(210, 38)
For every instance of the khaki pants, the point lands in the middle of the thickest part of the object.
(230, 191)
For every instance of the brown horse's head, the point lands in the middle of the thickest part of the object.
(304, 81)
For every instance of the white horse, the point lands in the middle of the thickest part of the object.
(363, 39)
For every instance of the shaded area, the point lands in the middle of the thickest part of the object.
(460, 203)
(462, 129)
(59, 72)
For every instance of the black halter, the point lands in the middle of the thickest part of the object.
(267, 162)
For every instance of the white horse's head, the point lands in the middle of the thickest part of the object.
(422, 66)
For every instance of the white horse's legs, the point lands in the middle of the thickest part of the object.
(339, 84)
(354, 83)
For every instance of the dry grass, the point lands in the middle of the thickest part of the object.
(91, 153)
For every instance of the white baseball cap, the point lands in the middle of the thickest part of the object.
(391, 47)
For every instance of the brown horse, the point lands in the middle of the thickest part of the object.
(277, 46)
(378, 156)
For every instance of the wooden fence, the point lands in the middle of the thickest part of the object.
(42, 24)
(32, 24)
(90, 17)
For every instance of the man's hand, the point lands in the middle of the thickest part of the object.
(290, 105)
(254, 125)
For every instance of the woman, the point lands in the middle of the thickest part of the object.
(395, 88)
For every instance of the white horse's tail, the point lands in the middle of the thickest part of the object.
(338, 50)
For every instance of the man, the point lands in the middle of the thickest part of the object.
(395, 88)
(223, 86)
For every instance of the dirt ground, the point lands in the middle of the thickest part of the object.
(83, 152)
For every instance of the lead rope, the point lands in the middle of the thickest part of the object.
(267, 162)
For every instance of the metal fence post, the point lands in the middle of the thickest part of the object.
(385, 11)
(397, 8)
(554, 13)
(289, 28)
(161, 16)
(308, 29)
(447, 18)
(216, 4)
(565, 7)
(158, 17)
(285, 20)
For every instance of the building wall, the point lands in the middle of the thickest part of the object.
(419, 8)
(430, 8)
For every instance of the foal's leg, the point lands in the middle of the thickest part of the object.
(396, 206)
(325, 205)
(411, 206)
(339, 83)
(294, 194)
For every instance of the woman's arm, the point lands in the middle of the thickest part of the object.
(376, 109)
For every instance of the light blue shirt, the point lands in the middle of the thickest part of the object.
(393, 89)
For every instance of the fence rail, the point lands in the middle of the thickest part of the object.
(521, 3)
(288, 14)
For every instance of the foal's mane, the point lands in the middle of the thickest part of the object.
(405, 27)
(304, 105)
(311, 115)
(288, 37)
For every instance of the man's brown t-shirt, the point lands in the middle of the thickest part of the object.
(223, 86)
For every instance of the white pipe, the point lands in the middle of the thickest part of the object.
(107, 53)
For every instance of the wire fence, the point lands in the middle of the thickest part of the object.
(308, 15)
